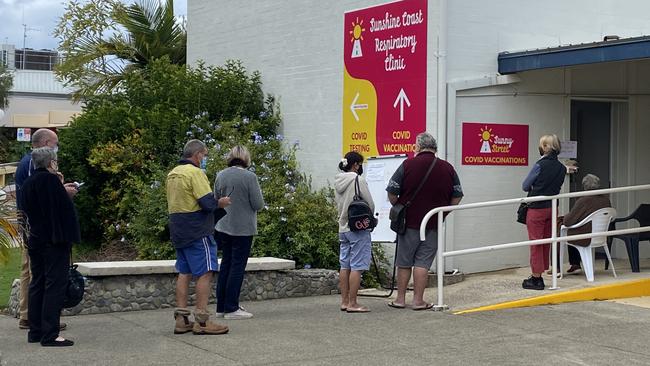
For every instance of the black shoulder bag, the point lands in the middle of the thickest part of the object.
(360, 216)
(397, 213)
(74, 291)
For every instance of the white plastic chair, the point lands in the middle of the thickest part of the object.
(600, 220)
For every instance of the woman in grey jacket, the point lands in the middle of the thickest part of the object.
(235, 231)
(355, 246)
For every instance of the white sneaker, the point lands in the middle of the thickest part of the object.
(238, 314)
(220, 315)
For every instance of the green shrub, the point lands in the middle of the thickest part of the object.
(148, 225)
(123, 145)
(10, 149)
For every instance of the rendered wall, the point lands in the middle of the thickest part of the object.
(297, 47)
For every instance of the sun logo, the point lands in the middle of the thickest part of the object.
(486, 139)
(357, 37)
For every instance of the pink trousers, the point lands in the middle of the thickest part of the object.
(538, 223)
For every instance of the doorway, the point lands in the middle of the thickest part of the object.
(591, 128)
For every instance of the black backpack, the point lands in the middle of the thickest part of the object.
(360, 216)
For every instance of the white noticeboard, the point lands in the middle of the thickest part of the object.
(378, 171)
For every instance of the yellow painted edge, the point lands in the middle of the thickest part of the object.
(605, 292)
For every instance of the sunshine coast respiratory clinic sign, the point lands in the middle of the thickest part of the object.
(494, 144)
(385, 75)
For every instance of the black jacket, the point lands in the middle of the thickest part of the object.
(50, 212)
(549, 180)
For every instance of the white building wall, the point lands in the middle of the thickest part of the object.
(474, 228)
(479, 30)
(298, 50)
(542, 100)
(297, 47)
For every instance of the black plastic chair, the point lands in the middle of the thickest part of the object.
(642, 216)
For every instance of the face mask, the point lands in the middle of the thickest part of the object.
(541, 152)
(56, 149)
(360, 171)
(204, 163)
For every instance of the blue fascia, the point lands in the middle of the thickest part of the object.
(610, 51)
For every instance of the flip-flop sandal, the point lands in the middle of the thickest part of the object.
(422, 307)
(395, 305)
(362, 309)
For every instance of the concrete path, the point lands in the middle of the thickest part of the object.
(312, 331)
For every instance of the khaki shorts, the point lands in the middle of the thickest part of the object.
(411, 252)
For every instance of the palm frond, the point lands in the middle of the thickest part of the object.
(9, 235)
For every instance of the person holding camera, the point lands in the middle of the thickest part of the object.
(53, 227)
(355, 243)
(43, 137)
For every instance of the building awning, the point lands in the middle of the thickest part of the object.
(588, 53)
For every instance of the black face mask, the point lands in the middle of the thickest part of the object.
(541, 152)
(360, 171)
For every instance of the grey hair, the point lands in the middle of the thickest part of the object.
(42, 156)
(192, 147)
(40, 136)
(425, 141)
(590, 182)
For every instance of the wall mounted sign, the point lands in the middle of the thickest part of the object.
(494, 144)
(385, 75)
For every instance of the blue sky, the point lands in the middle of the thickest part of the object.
(43, 16)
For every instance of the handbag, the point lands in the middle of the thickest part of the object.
(521, 213)
(75, 289)
(360, 216)
(397, 214)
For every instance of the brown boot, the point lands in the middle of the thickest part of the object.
(183, 323)
(203, 325)
(23, 324)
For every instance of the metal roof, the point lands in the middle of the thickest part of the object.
(38, 82)
(586, 53)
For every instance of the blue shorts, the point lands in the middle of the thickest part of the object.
(355, 250)
(198, 258)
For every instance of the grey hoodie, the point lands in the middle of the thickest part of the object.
(344, 193)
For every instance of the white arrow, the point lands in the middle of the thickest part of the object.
(354, 106)
(401, 98)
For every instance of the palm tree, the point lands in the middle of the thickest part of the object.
(8, 232)
(141, 32)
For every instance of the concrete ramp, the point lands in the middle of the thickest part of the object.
(627, 289)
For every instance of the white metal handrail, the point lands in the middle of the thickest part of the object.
(554, 239)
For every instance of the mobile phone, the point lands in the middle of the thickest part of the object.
(78, 184)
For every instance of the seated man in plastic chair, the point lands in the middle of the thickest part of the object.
(582, 208)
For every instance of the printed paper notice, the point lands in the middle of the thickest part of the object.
(375, 172)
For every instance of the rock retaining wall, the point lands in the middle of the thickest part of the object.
(157, 291)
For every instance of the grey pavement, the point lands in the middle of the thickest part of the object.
(312, 331)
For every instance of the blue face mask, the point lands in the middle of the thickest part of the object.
(204, 163)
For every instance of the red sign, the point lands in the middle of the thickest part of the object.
(385, 76)
(495, 144)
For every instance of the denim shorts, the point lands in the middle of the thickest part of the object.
(198, 258)
(355, 250)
